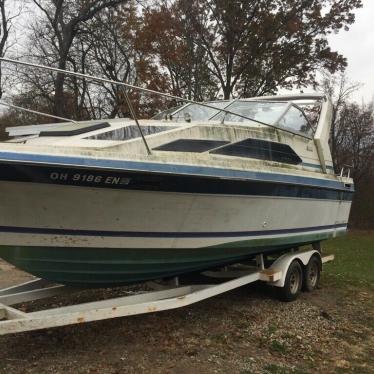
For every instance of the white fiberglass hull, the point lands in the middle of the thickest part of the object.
(90, 225)
(65, 216)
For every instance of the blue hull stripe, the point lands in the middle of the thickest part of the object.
(172, 168)
(137, 234)
(316, 166)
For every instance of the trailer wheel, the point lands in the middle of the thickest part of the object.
(293, 282)
(312, 274)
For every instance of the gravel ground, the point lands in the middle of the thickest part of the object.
(244, 331)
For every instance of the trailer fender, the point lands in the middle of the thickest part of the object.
(283, 262)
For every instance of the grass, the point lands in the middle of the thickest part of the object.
(354, 260)
(277, 346)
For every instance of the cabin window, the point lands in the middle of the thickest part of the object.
(72, 129)
(191, 145)
(129, 132)
(262, 150)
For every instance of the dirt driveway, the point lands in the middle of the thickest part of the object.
(243, 331)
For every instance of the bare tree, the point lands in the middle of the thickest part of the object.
(6, 18)
(355, 147)
(65, 19)
(340, 90)
(355, 139)
(5, 27)
(114, 56)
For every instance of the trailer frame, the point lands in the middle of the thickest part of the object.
(167, 296)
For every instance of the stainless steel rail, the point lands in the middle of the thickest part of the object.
(36, 112)
(145, 90)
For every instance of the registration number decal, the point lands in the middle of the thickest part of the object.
(89, 178)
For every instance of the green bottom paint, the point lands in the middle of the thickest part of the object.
(101, 267)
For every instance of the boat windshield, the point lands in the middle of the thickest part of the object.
(166, 113)
(266, 112)
(196, 112)
(295, 120)
(282, 114)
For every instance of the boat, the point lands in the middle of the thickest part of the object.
(118, 201)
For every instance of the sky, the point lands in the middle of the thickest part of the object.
(357, 45)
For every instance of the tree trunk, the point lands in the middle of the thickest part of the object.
(59, 104)
(68, 35)
(226, 92)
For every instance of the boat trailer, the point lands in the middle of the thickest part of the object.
(13, 320)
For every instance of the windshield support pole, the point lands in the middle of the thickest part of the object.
(224, 116)
(133, 115)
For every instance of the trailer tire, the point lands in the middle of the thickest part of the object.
(293, 282)
(312, 274)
